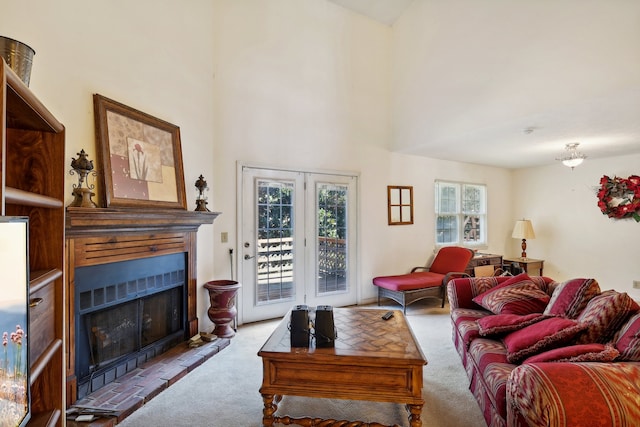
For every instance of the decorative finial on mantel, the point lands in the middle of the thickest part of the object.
(83, 167)
(201, 200)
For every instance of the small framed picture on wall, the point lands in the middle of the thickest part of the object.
(400, 204)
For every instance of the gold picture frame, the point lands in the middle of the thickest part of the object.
(140, 157)
(400, 204)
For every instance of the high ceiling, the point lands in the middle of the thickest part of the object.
(509, 84)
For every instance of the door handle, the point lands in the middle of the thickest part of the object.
(247, 256)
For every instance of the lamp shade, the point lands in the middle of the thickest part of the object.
(523, 230)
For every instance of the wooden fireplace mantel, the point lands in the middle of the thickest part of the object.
(83, 221)
(106, 235)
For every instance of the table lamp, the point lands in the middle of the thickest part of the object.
(523, 230)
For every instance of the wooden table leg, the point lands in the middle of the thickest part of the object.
(414, 415)
(270, 407)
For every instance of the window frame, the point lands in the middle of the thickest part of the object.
(456, 211)
(399, 204)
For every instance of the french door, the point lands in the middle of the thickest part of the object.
(298, 241)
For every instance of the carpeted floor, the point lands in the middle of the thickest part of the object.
(223, 392)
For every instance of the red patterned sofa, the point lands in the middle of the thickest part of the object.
(541, 353)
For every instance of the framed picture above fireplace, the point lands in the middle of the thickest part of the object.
(15, 400)
(140, 157)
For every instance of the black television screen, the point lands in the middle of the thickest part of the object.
(15, 396)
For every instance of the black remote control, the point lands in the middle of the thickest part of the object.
(388, 315)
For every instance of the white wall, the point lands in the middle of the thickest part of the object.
(152, 55)
(432, 39)
(294, 83)
(306, 84)
(572, 235)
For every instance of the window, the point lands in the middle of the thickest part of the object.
(461, 214)
(400, 205)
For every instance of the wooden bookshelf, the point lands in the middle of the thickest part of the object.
(32, 185)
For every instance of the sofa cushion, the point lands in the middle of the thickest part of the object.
(604, 315)
(541, 336)
(410, 281)
(518, 295)
(577, 353)
(503, 323)
(544, 283)
(571, 297)
(628, 340)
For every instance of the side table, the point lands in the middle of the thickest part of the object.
(532, 267)
(481, 260)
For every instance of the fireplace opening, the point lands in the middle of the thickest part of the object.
(127, 313)
(129, 327)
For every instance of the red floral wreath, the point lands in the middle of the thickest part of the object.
(620, 198)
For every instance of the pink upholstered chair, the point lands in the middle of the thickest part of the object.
(425, 282)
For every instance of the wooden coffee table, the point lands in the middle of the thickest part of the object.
(373, 359)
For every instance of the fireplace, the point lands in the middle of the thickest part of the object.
(126, 313)
(131, 290)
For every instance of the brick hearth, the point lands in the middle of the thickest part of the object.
(130, 392)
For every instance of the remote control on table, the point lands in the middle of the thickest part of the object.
(388, 315)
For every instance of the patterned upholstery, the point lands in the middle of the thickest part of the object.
(574, 394)
(518, 295)
(466, 323)
(490, 359)
(628, 339)
(556, 393)
(488, 372)
(462, 291)
(500, 324)
(547, 334)
(571, 297)
(605, 314)
(577, 353)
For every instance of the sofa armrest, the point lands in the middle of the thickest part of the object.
(574, 394)
(461, 291)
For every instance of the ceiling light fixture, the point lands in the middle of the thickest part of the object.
(573, 157)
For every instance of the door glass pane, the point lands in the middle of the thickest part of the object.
(332, 238)
(275, 279)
